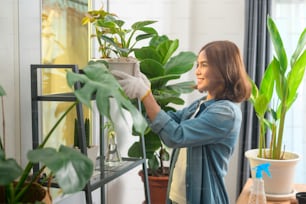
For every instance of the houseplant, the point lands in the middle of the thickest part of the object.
(161, 66)
(116, 43)
(273, 98)
(71, 169)
(65, 158)
(113, 37)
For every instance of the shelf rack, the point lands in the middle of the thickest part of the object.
(105, 173)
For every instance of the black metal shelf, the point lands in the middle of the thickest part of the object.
(104, 173)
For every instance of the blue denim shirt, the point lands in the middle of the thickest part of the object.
(210, 139)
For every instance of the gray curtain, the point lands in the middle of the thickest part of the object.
(256, 58)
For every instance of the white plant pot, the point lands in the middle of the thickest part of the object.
(282, 172)
(125, 64)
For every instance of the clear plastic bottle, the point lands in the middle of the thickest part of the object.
(258, 195)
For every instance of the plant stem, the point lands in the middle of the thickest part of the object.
(56, 124)
(29, 166)
(281, 130)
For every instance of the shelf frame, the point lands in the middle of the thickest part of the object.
(106, 175)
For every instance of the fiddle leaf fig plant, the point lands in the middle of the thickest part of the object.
(160, 63)
(113, 37)
(279, 84)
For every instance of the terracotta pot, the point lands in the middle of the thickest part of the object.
(35, 193)
(282, 172)
(158, 188)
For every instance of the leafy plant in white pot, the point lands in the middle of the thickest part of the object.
(271, 100)
(116, 43)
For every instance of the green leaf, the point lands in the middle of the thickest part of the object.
(65, 165)
(280, 78)
(147, 53)
(140, 24)
(166, 49)
(278, 44)
(149, 30)
(181, 63)
(98, 80)
(153, 163)
(135, 150)
(9, 171)
(143, 36)
(162, 80)
(157, 40)
(183, 87)
(261, 105)
(151, 68)
(299, 48)
(295, 77)
(267, 83)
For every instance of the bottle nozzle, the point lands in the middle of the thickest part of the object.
(260, 168)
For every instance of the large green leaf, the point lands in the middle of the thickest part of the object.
(9, 171)
(163, 80)
(261, 105)
(183, 87)
(278, 44)
(181, 63)
(152, 142)
(166, 49)
(295, 77)
(268, 80)
(152, 68)
(98, 80)
(65, 164)
(147, 53)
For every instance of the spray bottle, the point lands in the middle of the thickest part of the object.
(258, 195)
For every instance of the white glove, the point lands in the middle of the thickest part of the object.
(137, 86)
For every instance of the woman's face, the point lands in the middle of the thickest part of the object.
(208, 79)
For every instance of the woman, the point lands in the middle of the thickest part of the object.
(203, 134)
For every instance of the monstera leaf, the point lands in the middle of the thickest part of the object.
(98, 81)
(65, 164)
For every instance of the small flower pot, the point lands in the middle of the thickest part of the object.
(301, 197)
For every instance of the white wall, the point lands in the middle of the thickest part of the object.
(193, 22)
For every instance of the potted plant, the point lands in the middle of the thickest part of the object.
(117, 43)
(280, 85)
(161, 66)
(17, 183)
(65, 162)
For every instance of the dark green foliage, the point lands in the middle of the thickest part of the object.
(160, 64)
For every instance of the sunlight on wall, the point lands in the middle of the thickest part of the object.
(64, 41)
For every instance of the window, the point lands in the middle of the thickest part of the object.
(290, 17)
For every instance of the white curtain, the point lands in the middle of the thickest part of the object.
(290, 17)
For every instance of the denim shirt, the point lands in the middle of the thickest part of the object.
(210, 138)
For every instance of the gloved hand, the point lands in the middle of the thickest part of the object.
(137, 86)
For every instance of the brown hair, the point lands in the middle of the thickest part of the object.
(225, 57)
